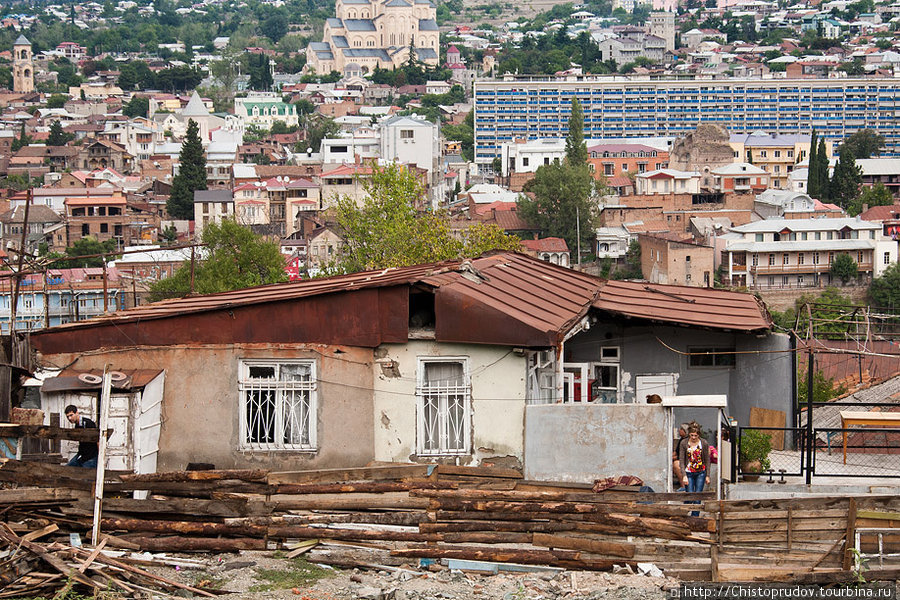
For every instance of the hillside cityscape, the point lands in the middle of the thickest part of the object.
(708, 129)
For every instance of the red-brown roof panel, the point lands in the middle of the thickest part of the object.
(700, 307)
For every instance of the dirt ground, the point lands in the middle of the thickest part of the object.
(247, 574)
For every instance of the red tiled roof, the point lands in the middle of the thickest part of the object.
(623, 148)
(550, 244)
(881, 213)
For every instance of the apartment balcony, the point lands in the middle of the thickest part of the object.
(801, 269)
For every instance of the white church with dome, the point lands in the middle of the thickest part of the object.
(367, 34)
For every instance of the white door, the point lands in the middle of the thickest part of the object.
(119, 444)
(662, 384)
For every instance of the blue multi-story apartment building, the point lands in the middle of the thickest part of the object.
(616, 107)
(60, 296)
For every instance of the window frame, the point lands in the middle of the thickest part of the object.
(443, 417)
(723, 357)
(245, 383)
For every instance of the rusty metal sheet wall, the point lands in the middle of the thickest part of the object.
(363, 318)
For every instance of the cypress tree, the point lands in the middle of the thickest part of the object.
(191, 175)
(822, 171)
(812, 181)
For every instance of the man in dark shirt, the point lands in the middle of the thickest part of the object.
(87, 451)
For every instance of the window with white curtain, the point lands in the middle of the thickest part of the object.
(278, 405)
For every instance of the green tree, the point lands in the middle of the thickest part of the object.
(260, 72)
(844, 268)
(563, 203)
(885, 290)
(57, 101)
(576, 149)
(21, 141)
(830, 312)
(632, 267)
(388, 230)
(138, 106)
(191, 175)
(864, 143)
(318, 128)
(824, 389)
(876, 195)
(275, 26)
(822, 166)
(57, 136)
(812, 177)
(846, 180)
(87, 246)
(235, 258)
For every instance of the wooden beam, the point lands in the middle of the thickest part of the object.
(353, 474)
(51, 433)
(850, 536)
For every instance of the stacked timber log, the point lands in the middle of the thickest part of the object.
(405, 516)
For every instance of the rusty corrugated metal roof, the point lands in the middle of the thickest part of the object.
(272, 293)
(681, 305)
(545, 298)
(500, 298)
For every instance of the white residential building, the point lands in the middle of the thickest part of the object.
(667, 181)
(411, 140)
(792, 253)
(526, 157)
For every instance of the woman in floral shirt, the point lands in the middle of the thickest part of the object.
(693, 453)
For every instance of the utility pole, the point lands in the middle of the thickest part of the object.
(810, 445)
(15, 299)
(578, 232)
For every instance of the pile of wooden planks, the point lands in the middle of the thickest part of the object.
(30, 568)
(400, 516)
(389, 516)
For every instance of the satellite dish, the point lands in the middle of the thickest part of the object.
(89, 378)
(117, 376)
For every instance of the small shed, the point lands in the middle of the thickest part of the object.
(134, 413)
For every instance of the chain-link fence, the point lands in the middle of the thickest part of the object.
(770, 451)
(872, 451)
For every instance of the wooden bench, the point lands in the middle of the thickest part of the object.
(861, 417)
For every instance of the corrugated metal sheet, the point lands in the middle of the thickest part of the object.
(270, 293)
(521, 300)
(503, 298)
(67, 380)
(692, 306)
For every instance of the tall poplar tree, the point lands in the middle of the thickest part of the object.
(576, 149)
(563, 204)
(191, 175)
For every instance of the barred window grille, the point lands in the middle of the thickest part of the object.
(278, 405)
(444, 414)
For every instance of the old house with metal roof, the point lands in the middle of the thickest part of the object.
(462, 362)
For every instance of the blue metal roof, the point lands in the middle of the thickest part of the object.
(366, 53)
(428, 25)
(339, 41)
(320, 46)
(359, 24)
(426, 53)
(336, 23)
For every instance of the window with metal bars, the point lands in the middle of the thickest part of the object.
(278, 405)
(443, 412)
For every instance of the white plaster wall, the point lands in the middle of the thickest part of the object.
(498, 400)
